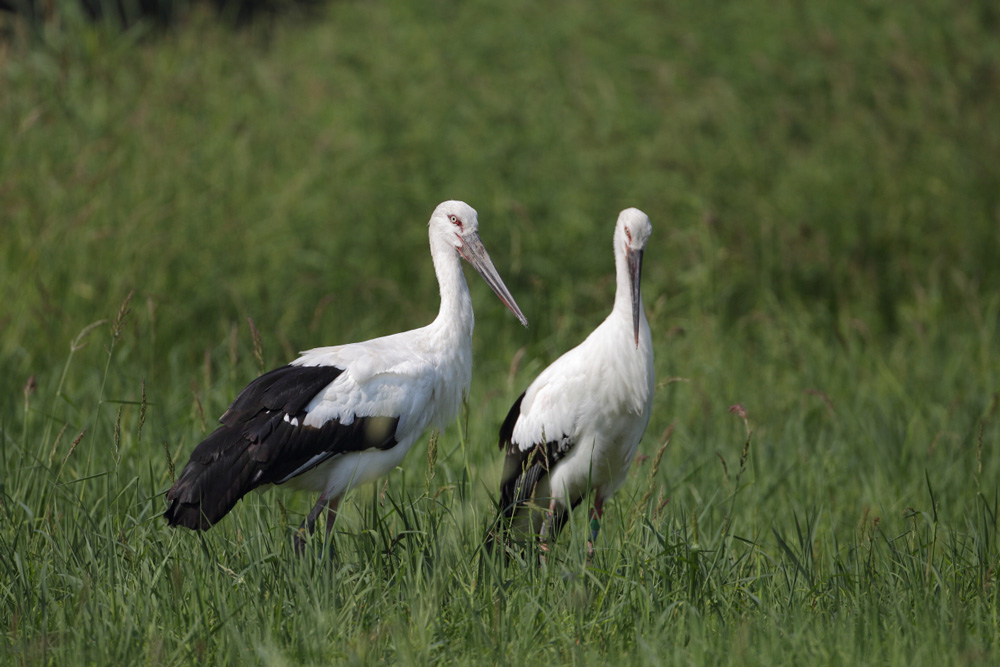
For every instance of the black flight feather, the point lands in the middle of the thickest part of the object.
(256, 445)
(522, 471)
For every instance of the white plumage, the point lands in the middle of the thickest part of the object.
(340, 416)
(577, 426)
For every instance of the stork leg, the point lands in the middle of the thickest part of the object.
(543, 533)
(596, 514)
(309, 525)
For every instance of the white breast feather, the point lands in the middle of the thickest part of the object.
(586, 390)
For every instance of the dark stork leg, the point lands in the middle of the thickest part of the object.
(596, 514)
(543, 533)
(309, 525)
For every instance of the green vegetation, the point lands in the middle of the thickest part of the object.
(824, 185)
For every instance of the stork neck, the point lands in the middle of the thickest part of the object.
(623, 287)
(456, 303)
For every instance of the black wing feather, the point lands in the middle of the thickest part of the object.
(524, 468)
(256, 445)
(289, 388)
(507, 428)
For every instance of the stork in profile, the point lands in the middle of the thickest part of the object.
(340, 416)
(576, 428)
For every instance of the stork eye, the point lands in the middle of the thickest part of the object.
(628, 235)
(455, 221)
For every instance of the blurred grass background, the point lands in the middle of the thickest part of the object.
(824, 187)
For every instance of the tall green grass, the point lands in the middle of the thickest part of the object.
(825, 195)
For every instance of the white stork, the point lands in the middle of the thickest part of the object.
(577, 426)
(340, 416)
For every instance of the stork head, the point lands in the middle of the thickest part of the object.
(631, 234)
(456, 224)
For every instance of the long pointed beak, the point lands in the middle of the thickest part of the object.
(474, 253)
(634, 258)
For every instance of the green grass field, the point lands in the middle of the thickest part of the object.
(824, 185)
